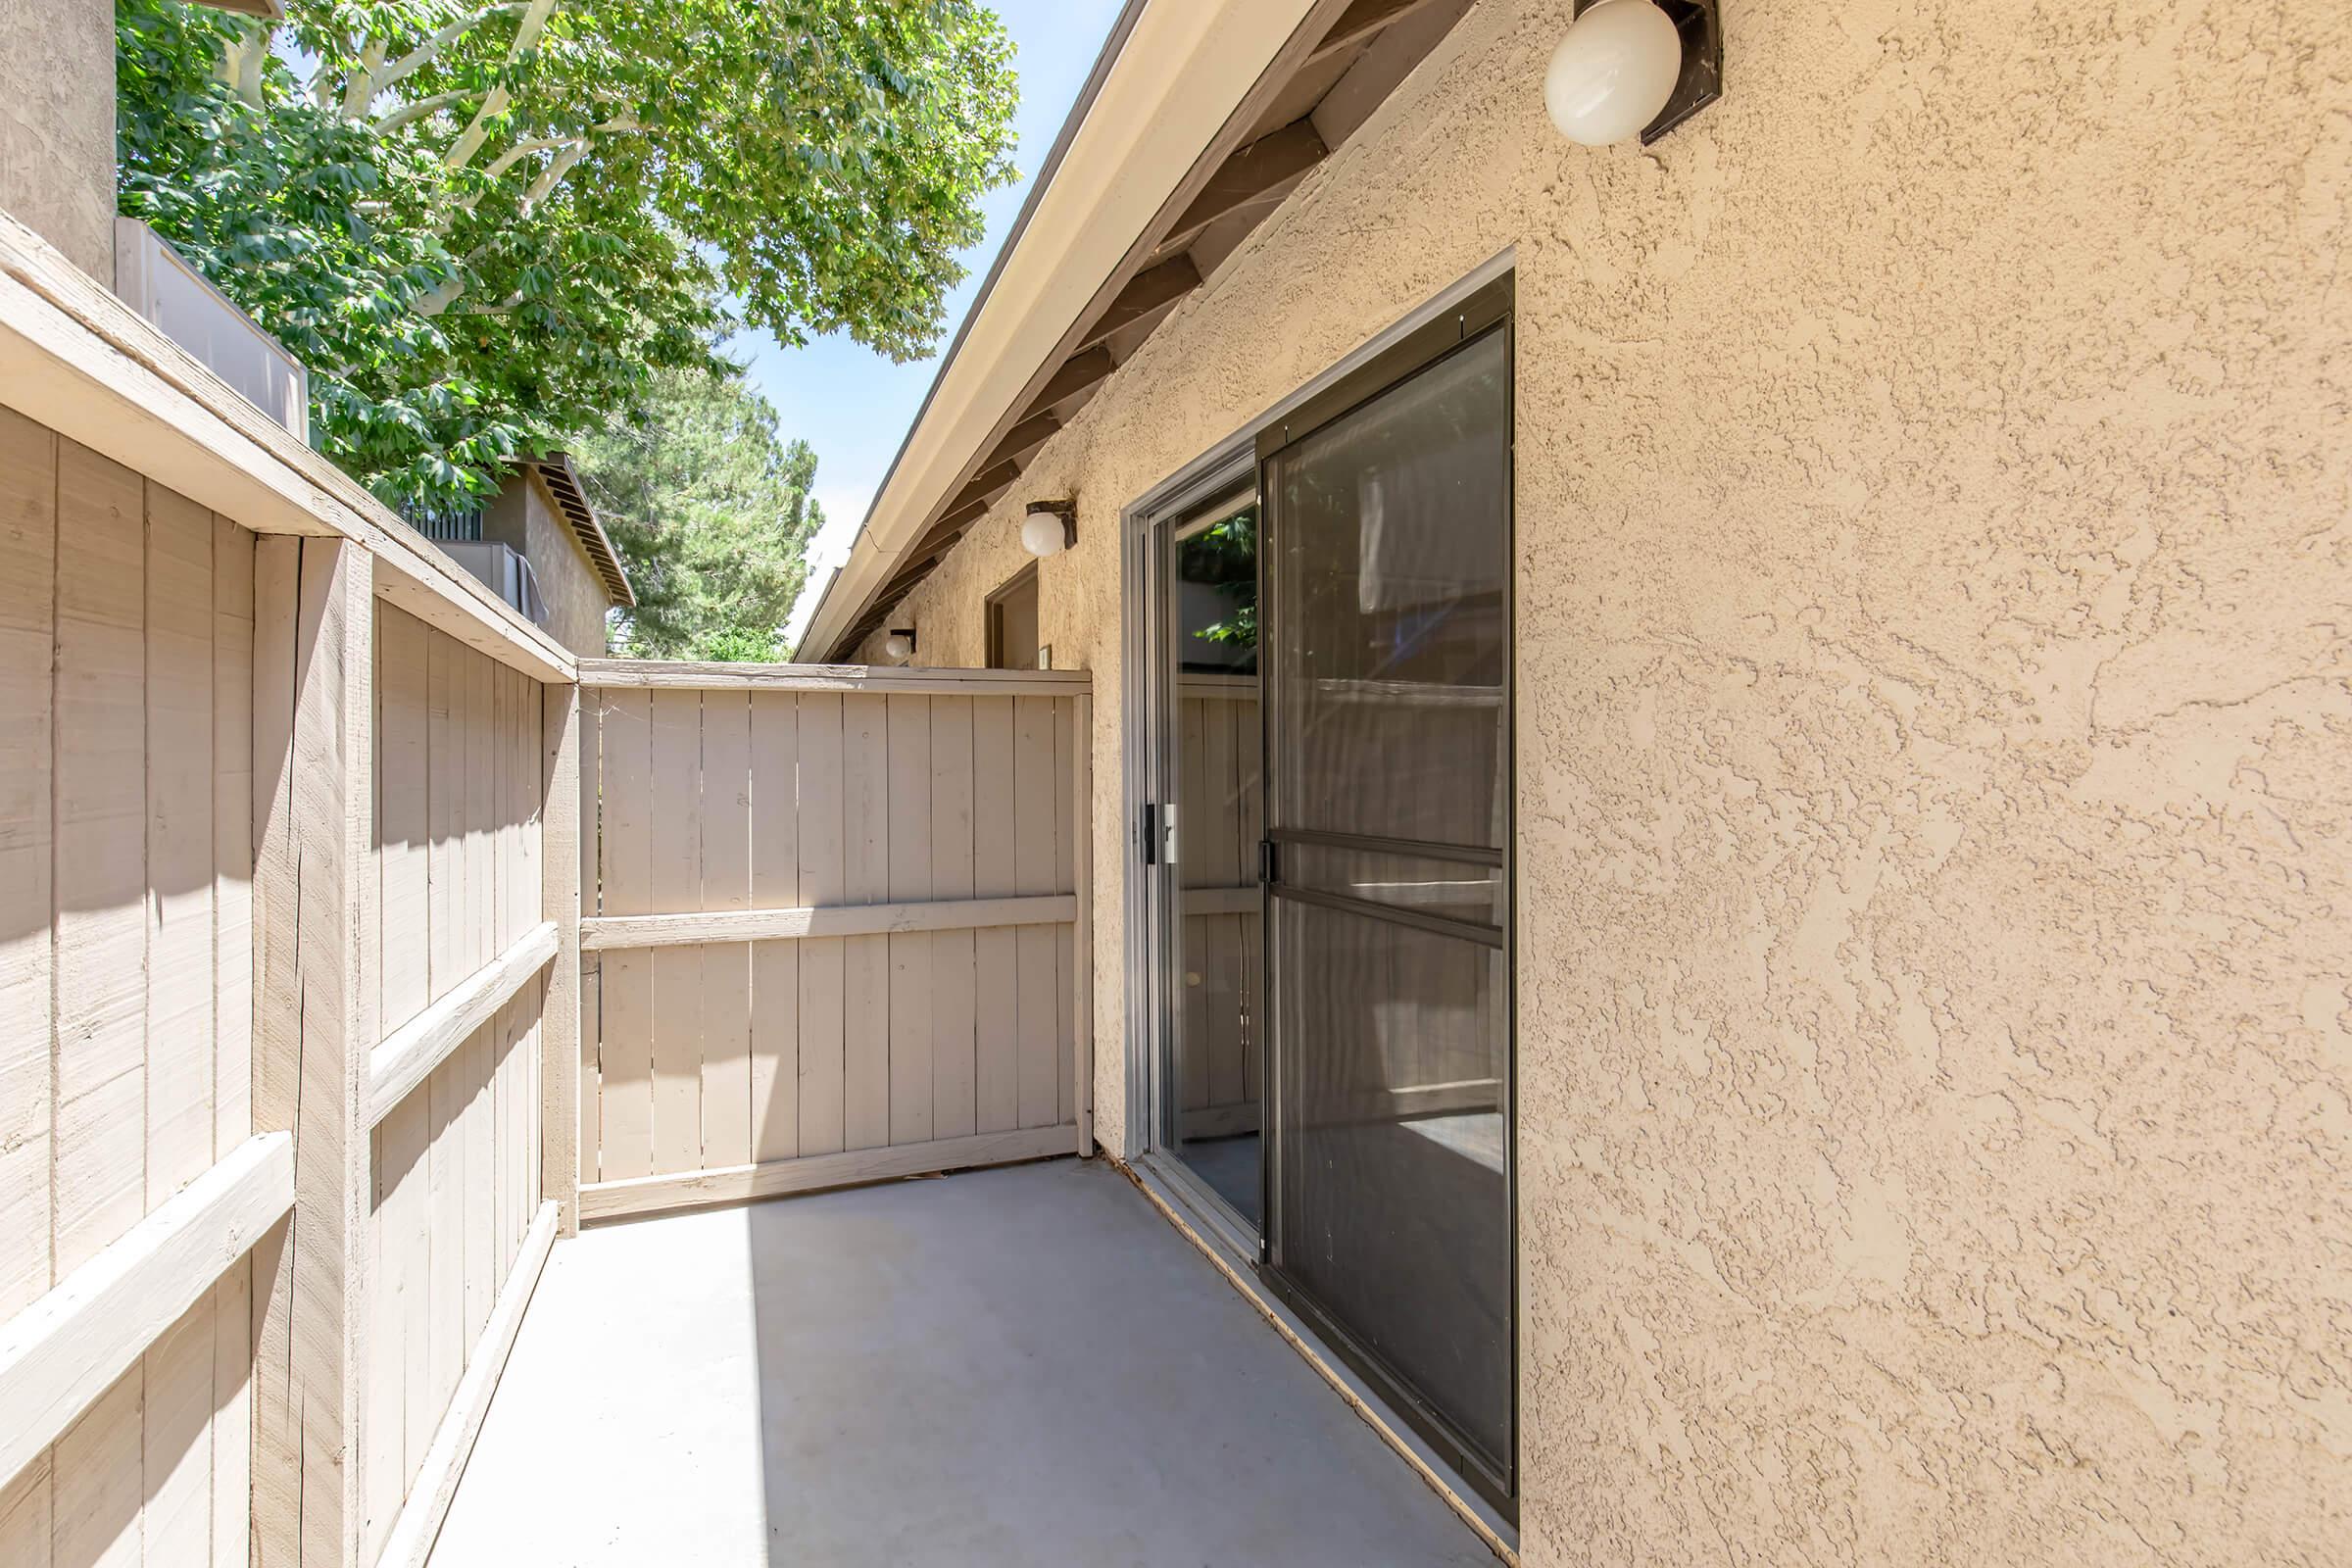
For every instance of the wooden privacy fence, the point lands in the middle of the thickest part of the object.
(834, 928)
(452, 1094)
(288, 905)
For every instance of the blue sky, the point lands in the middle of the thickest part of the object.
(853, 405)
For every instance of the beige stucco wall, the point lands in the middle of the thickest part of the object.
(1935, 682)
(524, 517)
(57, 126)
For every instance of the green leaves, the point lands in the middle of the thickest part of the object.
(711, 512)
(489, 228)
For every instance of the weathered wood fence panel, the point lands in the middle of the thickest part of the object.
(273, 908)
(454, 1163)
(126, 981)
(833, 930)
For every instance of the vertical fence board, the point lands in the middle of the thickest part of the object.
(382, 1472)
(866, 960)
(25, 1528)
(1082, 881)
(232, 1415)
(951, 962)
(533, 894)
(553, 717)
(27, 570)
(589, 716)
(177, 1453)
(775, 883)
(726, 991)
(1034, 783)
(998, 1068)
(677, 972)
(909, 856)
(627, 1095)
(317, 1011)
(443, 813)
(406, 971)
(477, 1117)
(232, 841)
(822, 824)
(100, 1075)
(179, 842)
(100, 1480)
(483, 776)
(1065, 849)
(406, 1136)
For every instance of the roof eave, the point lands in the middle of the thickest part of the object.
(563, 481)
(1161, 95)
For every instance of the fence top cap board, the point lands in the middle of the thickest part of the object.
(82, 363)
(884, 678)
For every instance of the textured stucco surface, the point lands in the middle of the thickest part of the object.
(57, 126)
(524, 518)
(1935, 603)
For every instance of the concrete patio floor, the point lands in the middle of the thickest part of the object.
(1022, 1366)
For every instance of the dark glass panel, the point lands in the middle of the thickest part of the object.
(1393, 525)
(1392, 1203)
(1219, 1029)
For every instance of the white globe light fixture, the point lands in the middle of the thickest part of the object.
(1615, 74)
(1049, 528)
(899, 645)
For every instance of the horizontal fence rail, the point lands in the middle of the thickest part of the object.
(58, 1354)
(410, 1053)
(836, 921)
(626, 675)
(834, 928)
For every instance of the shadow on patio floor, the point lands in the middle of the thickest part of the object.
(1022, 1366)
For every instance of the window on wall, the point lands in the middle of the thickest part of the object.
(1012, 623)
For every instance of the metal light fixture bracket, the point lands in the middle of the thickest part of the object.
(1066, 510)
(1700, 24)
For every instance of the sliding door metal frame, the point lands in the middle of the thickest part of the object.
(1225, 462)
(1480, 314)
(1229, 463)
(1152, 727)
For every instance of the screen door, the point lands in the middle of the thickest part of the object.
(1386, 664)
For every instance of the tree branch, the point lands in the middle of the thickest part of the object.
(416, 111)
(451, 289)
(526, 38)
(242, 59)
(425, 53)
(361, 91)
(524, 149)
(552, 175)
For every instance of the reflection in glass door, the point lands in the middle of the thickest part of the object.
(1385, 663)
(1214, 1022)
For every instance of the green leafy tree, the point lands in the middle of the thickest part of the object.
(711, 512)
(487, 227)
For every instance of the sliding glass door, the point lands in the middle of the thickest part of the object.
(1210, 824)
(1324, 826)
(1386, 663)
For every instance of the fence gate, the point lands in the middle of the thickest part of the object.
(834, 928)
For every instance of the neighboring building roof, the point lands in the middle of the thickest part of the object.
(563, 481)
(1200, 119)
